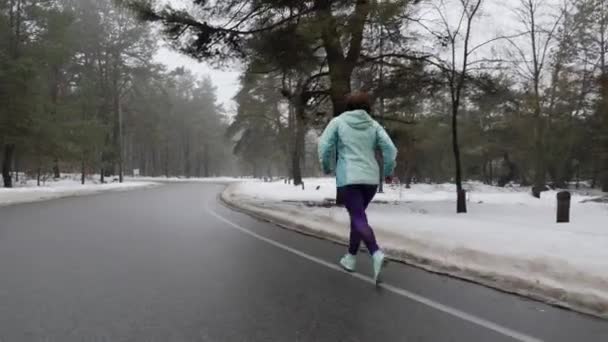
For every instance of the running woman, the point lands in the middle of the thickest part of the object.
(355, 136)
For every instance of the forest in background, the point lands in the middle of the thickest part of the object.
(80, 93)
(78, 89)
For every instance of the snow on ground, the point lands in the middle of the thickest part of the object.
(509, 239)
(69, 185)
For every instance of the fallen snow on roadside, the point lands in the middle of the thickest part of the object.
(476, 193)
(508, 239)
(29, 192)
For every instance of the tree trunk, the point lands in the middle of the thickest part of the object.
(38, 176)
(296, 171)
(594, 173)
(119, 148)
(410, 156)
(600, 167)
(167, 159)
(491, 172)
(461, 205)
(299, 144)
(207, 162)
(16, 159)
(603, 172)
(187, 160)
(484, 170)
(409, 175)
(155, 162)
(198, 165)
(83, 171)
(379, 155)
(341, 63)
(117, 141)
(9, 150)
(340, 88)
(539, 163)
(120, 170)
(578, 176)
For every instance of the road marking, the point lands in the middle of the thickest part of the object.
(396, 290)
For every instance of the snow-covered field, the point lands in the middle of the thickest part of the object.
(508, 239)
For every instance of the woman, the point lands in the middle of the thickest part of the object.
(355, 137)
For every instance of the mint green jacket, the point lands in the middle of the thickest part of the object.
(355, 136)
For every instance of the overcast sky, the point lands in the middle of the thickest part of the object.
(226, 81)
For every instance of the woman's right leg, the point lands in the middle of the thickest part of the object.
(350, 197)
(356, 199)
(355, 241)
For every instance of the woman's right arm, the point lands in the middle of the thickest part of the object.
(327, 145)
(389, 151)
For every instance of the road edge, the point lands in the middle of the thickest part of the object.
(522, 287)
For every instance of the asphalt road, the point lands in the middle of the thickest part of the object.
(172, 264)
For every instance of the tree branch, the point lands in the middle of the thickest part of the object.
(356, 26)
(393, 119)
(496, 39)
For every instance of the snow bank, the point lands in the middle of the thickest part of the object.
(29, 192)
(508, 240)
(476, 192)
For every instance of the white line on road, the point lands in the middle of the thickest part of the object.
(396, 290)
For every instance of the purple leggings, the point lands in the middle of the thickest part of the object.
(356, 198)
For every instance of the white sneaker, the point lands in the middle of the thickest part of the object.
(349, 262)
(379, 261)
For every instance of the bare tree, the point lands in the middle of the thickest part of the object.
(593, 39)
(455, 68)
(303, 94)
(530, 56)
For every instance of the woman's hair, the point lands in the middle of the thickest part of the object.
(358, 100)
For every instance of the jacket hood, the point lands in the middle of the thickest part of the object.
(358, 119)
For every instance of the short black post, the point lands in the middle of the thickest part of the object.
(563, 207)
